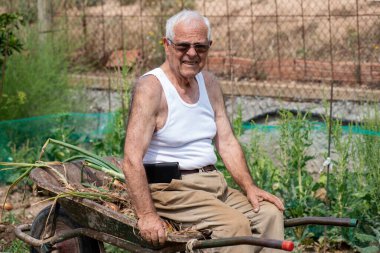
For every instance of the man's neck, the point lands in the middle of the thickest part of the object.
(187, 88)
(176, 79)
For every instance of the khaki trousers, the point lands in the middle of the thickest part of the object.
(203, 200)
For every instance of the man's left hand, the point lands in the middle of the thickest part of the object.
(256, 195)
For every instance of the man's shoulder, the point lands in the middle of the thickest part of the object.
(149, 82)
(211, 81)
(207, 75)
(147, 87)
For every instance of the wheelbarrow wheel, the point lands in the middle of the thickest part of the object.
(63, 222)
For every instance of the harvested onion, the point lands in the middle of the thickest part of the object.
(112, 206)
(7, 206)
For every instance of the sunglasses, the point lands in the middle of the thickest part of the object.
(183, 47)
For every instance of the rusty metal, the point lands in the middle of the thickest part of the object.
(125, 244)
(141, 32)
(84, 27)
(303, 40)
(104, 53)
(50, 227)
(253, 39)
(278, 40)
(66, 235)
(359, 69)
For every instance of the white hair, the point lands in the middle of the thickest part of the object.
(185, 16)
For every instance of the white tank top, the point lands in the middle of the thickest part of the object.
(189, 129)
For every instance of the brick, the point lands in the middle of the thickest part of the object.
(120, 58)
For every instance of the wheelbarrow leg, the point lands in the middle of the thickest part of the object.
(51, 221)
(60, 223)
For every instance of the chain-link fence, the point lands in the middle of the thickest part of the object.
(292, 49)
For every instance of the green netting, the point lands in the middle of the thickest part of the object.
(316, 126)
(33, 132)
(85, 128)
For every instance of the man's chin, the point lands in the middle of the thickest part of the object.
(190, 71)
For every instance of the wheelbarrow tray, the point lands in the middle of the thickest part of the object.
(104, 224)
(90, 214)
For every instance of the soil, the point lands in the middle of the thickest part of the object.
(26, 203)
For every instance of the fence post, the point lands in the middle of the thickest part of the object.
(44, 19)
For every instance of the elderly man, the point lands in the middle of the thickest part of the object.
(177, 114)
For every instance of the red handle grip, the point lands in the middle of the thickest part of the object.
(287, 245)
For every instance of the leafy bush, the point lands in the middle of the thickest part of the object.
(36, 81)
(9, 42)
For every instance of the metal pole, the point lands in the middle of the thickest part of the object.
(331, 100)
(10, 5)
(141, 33)
(103, 32)
(330, 118)
(44, 19)
(230, 60)
(303, 42)
(66, 24)
(253, 40)
(278, 42)
(84, 26)
(358, 67)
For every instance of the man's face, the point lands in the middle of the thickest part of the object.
(188, 50)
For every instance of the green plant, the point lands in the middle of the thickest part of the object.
(10, 218)
(36, 81)
(294, 141)
(9, 41)
(113, 249)
(237, 122)
(366, 170)
(17, 246)
(113, 142)
(298, 187)
(263, 170)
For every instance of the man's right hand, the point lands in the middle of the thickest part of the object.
(152, 229)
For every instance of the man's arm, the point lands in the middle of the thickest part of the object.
(141, 126)
(231, 151)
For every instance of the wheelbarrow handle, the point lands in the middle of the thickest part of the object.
(249, 240)
(344, 222)
(47, 244)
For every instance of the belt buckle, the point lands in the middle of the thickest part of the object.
(206, 169)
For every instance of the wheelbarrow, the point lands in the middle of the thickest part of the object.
(75, 224)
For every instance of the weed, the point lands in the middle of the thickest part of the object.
(10, 218)
(17, 246)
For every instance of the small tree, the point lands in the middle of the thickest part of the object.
(9, 42)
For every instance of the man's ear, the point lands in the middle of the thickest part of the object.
(165, 43)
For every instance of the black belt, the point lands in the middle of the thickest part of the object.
(207, 168)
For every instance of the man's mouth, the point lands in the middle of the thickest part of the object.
(190, 62)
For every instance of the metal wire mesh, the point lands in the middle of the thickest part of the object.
(288, 49)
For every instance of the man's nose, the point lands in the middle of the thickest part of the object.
(191, 51)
